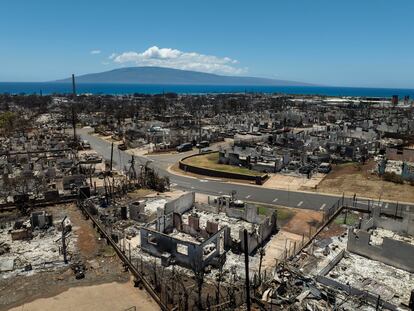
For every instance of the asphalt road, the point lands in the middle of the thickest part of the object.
(313, 201)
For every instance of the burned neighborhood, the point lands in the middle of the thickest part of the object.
(241, 201)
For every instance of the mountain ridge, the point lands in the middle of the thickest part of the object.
(170, 76)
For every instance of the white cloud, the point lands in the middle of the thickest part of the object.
(95, 52)
(173, 58)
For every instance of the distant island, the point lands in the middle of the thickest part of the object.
(169, 76)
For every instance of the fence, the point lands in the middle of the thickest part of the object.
(121, 253)
(293, 248)
(344, 203)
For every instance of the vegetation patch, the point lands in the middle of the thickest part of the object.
(210, 161)
(392, 177)
(350, 219)
(284, 214)
(360, 180)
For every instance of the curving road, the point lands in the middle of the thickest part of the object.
(160, 163)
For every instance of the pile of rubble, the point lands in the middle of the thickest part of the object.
(290, 289)
(4, 248)
(33, 245)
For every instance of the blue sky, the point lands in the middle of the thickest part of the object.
(346, 43)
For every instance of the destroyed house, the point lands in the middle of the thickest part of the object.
(184, 244)
(196, 235)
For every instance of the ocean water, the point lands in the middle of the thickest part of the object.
(113, 89)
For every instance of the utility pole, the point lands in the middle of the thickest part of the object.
(73, 107)
(199, 131)
(64, 246)
(131, 172)
(246, 265)
(112, 155)
(411, 303)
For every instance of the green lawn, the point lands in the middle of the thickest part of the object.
(283, 214)
(210, 161)
(351, 219)
(262, 210)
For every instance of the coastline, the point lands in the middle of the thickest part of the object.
(49, 88)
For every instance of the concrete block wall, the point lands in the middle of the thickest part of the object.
(165, 223)
(181, 204)
(211, 227)
(252, 243)
(207, 208)
(157, 244)
(135, 209)
(235, 212)
(184, 253)
(261, 234)
(391, 252)
(213, 240)
(248, 213)
(219, 202)
(367, 224)
(267, 228)
(251, 213)
(402, 226)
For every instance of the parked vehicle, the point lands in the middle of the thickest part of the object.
(86, 144)
(324, 168)
(203, 144)
(185, 147)
(205, 150)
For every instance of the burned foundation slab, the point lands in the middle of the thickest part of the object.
(392, 252)
(384, 239)
(368, 279)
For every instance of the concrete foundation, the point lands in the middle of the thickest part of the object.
(392, 252)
